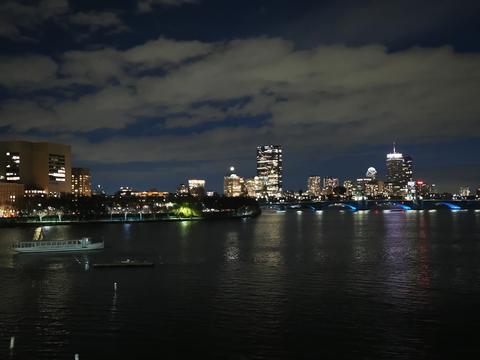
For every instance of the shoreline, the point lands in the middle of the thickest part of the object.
(22, 223)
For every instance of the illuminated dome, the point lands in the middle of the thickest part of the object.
(371, 173)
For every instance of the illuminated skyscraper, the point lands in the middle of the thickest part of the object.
(182, 190)
(424, 190)
(314, 186)
(368, 186)
(270, 167)
(233, 185)
(395, 167)
(399, 168)
(39, 166)
(464, 191)
(407, 168)
(329, 184)
(196, 187)
(81, 182)
(255, 187)
(349, 187)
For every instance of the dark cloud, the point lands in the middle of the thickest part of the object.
(209, 103)
(17, 16)
(96, 20)
(27, 72)
(395, 23)
(364, 91)
(21, 20)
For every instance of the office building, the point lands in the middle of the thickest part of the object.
(255, 187)
(39, 166)
(81, 182)
(399, 168)
(368, 187)
(124, 191)
(249, 187)
(399, 173)
(329, 184)
(314, 186)
(11, 198)
(464, 191)
(153, 193)
(182, 190)
(395, 167)
(270, 167)
(196, 187)
(349, 187)
(233, 185)
(424, 190)
(407, 168)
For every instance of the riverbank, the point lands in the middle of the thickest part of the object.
(31, 222)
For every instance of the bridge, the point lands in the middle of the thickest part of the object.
(352, 205)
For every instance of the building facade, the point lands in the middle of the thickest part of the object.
(395, 167)
(329, 184)
(196, 187)
(39, 166)
(153, 193)
(407, 168)
(270, 167)
(399, 173)
(11, 198)
(349, 187)
(182, 190)
(424, 190)
(81, 182)
(234, 185)
(255, 187)
(368, 186)
(314, 186)
(464, 191)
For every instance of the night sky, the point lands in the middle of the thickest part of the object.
(150, 93)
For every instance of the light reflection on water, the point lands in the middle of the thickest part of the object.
(363, 284)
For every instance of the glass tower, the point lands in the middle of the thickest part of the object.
(314, 185)
(270, 167)
(399, 168)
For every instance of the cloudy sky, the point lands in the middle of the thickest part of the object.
(150, 93)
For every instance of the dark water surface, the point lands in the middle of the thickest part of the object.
(365, 285)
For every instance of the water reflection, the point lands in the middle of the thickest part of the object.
(267, 238)
(424, 269)
(361, 237)
(374, 284)
(232, 250)
(398, 256)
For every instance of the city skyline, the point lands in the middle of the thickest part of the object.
(382, 173)
(151, 92)
(17, 166)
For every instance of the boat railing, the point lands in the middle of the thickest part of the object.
(52, 243)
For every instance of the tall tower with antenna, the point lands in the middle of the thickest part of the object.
(399, 168)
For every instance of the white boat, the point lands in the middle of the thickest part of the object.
(40, 245)
(57, 245)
